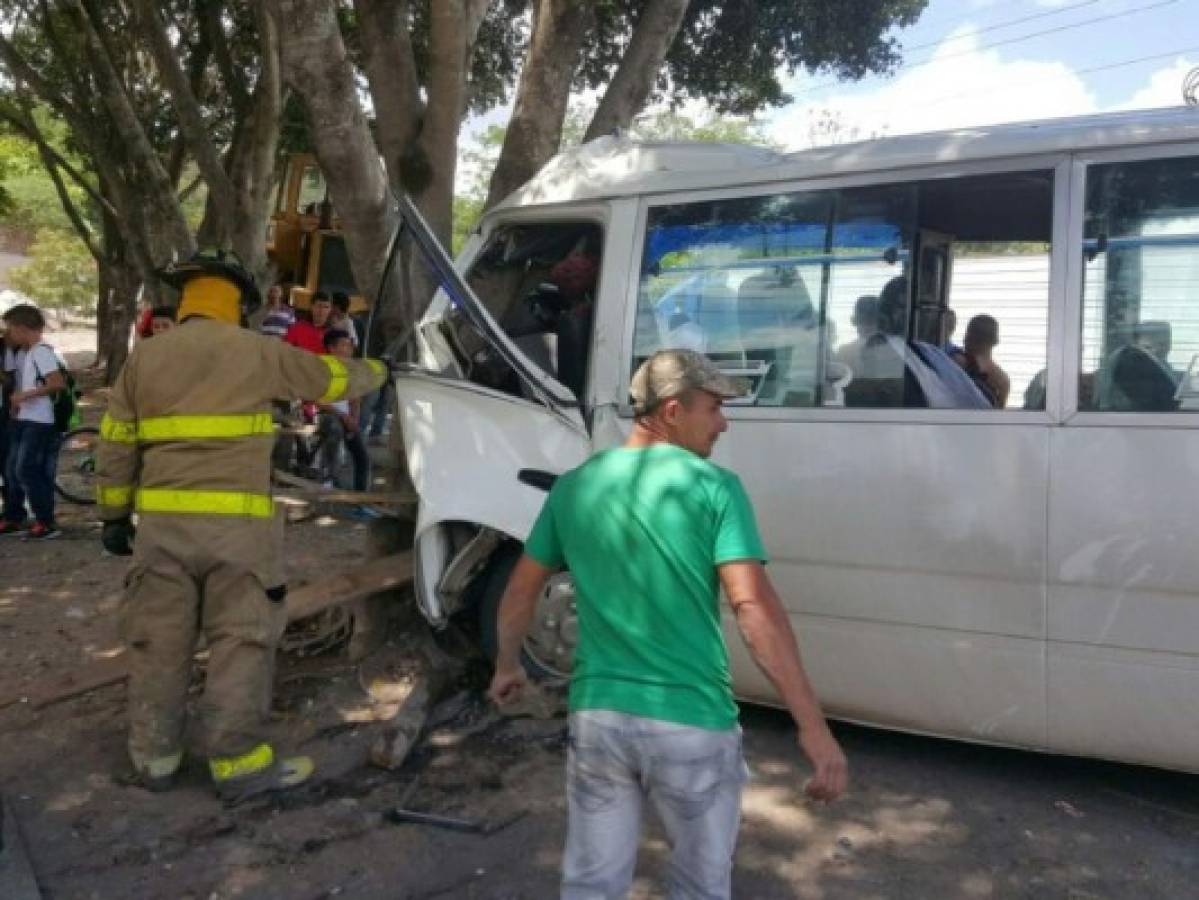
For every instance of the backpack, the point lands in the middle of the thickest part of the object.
(66, 402)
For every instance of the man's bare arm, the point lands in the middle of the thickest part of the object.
(764, 625)
(517, 607)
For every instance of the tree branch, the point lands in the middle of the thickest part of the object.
(391, 73)
(49, 162)
(171, 227)
(630, 87)
(28, 127)
(317, 67)
(21, 71)
(191, 117)
(445, 88)
(213, 32)
(535, 130)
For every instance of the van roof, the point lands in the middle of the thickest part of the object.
(618, 167)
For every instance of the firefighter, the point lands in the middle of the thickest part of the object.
(186, 445)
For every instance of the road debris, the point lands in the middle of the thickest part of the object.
(17, 880)
(400, 816)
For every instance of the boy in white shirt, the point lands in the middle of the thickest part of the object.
(33, 436)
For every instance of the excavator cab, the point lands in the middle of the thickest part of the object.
(304, 240)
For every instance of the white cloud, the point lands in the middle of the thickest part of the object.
(960, 86)
(1164, 87)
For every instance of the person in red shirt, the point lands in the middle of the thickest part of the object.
(310, 335)
(144, 327)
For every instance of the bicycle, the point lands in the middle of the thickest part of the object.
(75, 480)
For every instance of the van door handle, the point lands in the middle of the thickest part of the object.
(537, 478)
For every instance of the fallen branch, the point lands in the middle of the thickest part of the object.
(62, 687)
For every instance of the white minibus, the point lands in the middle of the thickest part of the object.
(996, 542)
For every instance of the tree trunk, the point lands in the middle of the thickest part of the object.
(252, 169)
(192, 124)
(391, 72)
(317, 68)
(120, 280)
(630, 87)
(449, 55)
(535, 129)
(103, 316)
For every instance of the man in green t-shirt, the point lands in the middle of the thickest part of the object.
(650, 532)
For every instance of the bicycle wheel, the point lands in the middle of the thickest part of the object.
(75, 480)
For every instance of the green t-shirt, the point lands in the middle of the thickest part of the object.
(642, 532)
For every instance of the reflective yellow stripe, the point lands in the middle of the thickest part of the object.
(118, 432)
(196, 428)
(260, 758)
(186, 428)
(339, 379)
(378, 367)
(121, 495)
(216, 503)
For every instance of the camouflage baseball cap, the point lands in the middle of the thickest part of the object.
(672, 373)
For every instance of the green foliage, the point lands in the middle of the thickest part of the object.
(30, 201)
(498, 53)
(60, 275)
(730, 52)
(468, 210)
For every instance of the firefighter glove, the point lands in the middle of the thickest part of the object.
(117, 537)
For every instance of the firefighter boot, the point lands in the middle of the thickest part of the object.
(238, 778)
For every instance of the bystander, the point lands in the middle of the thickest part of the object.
(650, 531)
(33, 435)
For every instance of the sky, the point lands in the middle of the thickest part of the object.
(975, 62)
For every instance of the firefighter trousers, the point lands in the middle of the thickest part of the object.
(190, 578)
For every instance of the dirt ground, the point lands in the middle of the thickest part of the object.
(925, 818)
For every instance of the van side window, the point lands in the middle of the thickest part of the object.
(853, 297)
(1140, 338)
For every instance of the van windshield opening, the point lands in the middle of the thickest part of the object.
(539, 281)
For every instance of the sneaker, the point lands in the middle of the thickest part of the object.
(10, 527)
(40, 531)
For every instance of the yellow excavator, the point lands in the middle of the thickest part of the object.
(304, 240)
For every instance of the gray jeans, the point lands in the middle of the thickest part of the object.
(691, 776)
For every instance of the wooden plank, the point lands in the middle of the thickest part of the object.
(17, 879)
(312, 490)
(382, 574)
(370, 498)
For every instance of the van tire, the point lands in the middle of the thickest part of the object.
(494, 580)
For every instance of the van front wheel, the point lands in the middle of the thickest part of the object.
(549, 650)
